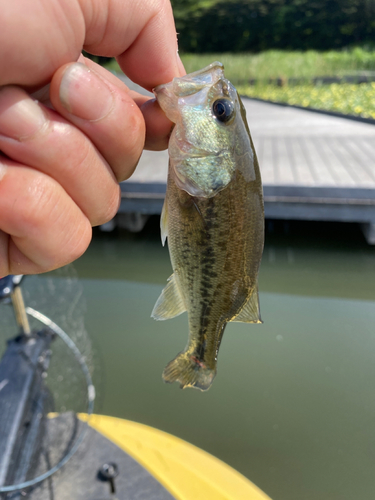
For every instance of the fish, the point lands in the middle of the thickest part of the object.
(212, 217)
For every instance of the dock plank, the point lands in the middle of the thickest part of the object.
(304, 171)
(267, 162)
(285, 165)
(314, 167)
(335, 160)
(358, 167)
(296, 147)
(365, 163)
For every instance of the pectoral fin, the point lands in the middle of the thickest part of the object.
(250, 313)
(170, 303)
(164, 222)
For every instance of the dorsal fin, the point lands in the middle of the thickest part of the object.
(250, 313)
(170, 303)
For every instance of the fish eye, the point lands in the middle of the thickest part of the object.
(223, 109)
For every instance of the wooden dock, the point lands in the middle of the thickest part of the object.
(314, 167)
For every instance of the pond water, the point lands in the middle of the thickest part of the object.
(292, 406)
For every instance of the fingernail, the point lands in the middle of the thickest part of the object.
(20, 116)
(84, 94)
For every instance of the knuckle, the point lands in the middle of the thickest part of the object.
(74, 149)
(74, 239)
(78, 241)
(47, 227)
(108, 209)
(38, 204)
(131, 166)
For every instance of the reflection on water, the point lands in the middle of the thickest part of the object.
(292, 406)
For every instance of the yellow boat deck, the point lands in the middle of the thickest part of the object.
(186, 471)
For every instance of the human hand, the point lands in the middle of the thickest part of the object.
(61, 157)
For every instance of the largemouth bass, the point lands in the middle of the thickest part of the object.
(213, 217)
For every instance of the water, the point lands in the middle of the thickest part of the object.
(292, 406)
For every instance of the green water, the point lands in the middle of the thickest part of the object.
(292, 406)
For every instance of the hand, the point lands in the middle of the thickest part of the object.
(62, 155)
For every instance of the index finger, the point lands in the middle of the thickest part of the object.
(144, 41)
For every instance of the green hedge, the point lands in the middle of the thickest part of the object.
(256, 25)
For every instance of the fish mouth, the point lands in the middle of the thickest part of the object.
(192, 82)
(208, 69)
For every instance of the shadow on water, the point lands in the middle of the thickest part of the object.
(292, 406)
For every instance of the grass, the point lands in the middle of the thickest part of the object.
(358, 100)
(344, 98)
(240, 68)
(271, 64)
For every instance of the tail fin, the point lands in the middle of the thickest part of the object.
(189, 371)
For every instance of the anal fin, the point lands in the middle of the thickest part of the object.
(170, 303)
(250, 313)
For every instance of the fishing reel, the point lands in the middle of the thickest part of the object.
(8, 284)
